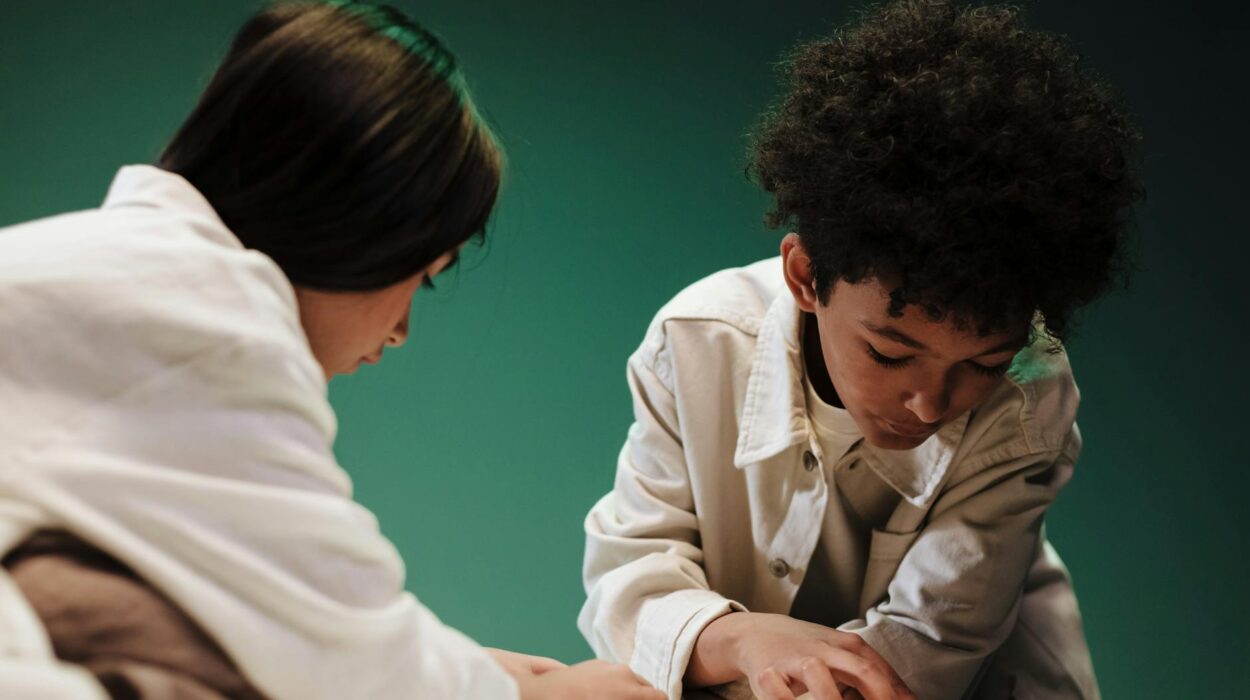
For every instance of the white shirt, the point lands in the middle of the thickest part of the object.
(160, 401)
(829, 594)
(713, 509)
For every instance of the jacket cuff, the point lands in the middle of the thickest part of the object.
(667, 630)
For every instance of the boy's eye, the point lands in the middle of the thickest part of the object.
(886, 360)
(995, 371)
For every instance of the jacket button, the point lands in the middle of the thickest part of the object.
(809, 461)
(779, 568)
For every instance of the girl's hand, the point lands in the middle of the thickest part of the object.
(515, 663)
(589, 680)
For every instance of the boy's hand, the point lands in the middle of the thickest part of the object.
(782, 657)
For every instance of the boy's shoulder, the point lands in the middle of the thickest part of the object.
(714, 322)
(1034, 410)
(737, 296)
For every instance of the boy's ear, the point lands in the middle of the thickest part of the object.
(797, 268)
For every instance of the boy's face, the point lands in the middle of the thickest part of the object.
(901, 379)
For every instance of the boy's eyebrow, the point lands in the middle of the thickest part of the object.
(894, 334)
(1016, 343)
(900, 337)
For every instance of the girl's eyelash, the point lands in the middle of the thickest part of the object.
(885, 360)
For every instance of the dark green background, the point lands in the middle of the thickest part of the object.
(482, 444)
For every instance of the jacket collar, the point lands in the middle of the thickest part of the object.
(774, 413)
(149, 186)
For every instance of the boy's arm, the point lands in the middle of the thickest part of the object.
(956, 594)
(648, 596)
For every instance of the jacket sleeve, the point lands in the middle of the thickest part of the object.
(648, 597)
(956, 594)
(215, 480)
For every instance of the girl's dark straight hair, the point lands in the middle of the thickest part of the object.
(338, 139)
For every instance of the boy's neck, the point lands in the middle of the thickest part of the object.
(814, 363)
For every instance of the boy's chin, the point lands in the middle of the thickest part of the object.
(884, 440)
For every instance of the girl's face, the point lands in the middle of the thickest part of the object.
(345, 329)
(901, 379)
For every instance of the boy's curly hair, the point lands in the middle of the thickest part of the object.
(970, 164)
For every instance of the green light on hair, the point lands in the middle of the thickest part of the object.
(425, 45)
(416, 41)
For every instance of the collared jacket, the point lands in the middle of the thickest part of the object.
(716, 507)
(160, 401)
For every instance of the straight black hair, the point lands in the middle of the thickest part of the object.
(338, 139)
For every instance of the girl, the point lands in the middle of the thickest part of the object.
(172, 516)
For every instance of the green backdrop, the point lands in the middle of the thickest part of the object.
(482, 444)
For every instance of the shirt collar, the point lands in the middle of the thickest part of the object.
(149, 186)
(774, 413)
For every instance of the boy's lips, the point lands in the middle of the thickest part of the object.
(909, 430)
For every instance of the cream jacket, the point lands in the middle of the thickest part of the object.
(718, 506)
(160, 401)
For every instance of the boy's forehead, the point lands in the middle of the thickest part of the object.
(867, 304)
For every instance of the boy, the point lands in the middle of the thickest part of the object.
(841, 458)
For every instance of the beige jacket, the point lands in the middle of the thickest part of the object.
(713, 510)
